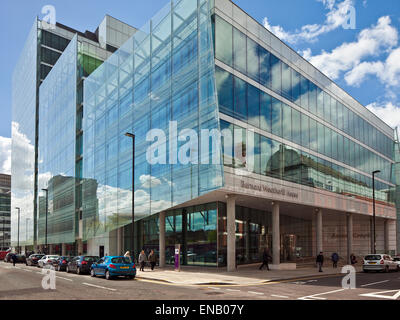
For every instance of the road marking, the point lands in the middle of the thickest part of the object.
(371, 284)
(233, 290)
(379, 295)
(316, 296)
(64, 278)
(214, 288)
(278, 296)
(100, 287)
(253, 292)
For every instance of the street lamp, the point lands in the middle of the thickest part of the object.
(19, 211)
(47, 209)
(373, 204)
(131, 135)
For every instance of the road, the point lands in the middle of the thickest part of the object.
(25, 283)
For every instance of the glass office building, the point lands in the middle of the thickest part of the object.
(5, 211)
(240, 145)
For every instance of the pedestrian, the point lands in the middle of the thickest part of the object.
(266, 257)
(353, 259)
(152, 259)
(335, 259)
(14, 259)
(320, 261)
(142, 260)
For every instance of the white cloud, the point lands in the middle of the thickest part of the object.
(335, 18)
(388, 112)
(388, 72)
(5, 155)
(371, 42)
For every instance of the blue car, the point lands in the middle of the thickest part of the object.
(114, 266)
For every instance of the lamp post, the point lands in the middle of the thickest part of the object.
(3, 219)
(47, 209)
(131, 135)
(373, 204)
(19, 211)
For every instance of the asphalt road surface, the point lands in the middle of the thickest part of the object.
(25, 283)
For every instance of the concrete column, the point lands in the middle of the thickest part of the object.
(162, 239)
(276, 235)
(64, 249)
(231, 230)
(318, 226)
(349, 236)
(247, 239)
(119, 242)
(387, 233)
(80, 246)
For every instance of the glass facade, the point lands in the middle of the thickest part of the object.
(163, 75)
(23, 146)
(5, 211)
(346, 164)
(57, 110)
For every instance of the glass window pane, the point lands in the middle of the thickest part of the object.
(257, 154)
(296, 87)
(223, 41)
(296, 126)
(276, 117)
(253, 105)
(239, 50)
(327, 107)
(334, 112)
(265, 112)
(266, 154)
(321, 138)
(276, 75)
(312, 103)
(287, 122)
(253, 63)
(225, 90)
(286, 82)
(265, 67)
(305, 131)
(240, 99)
(320, 103)
(328, 142)
(304, 92)
(313, 135)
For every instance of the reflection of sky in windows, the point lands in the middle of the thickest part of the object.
(158, 97)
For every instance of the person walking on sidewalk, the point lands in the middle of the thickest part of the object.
(335, 259)
(266, 257)
(152, 259)
(353, 259)
(320, 261)
(14, 259)
(142, 260)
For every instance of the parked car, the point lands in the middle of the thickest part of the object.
(81, 264)
(114, 266)
(33, 259)
(47, 260)
(379, 262)
(3, 254)
(20, 258)
(60, 264)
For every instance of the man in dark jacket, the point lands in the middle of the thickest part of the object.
(14, 259)
(320, 261)
(266, 256)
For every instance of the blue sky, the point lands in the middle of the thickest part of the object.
(364, 61)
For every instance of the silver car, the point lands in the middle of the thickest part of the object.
(47, 259)
(379, 262)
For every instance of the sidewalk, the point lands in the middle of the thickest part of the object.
(243, 276)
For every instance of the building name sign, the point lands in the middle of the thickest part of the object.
(267, 189)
